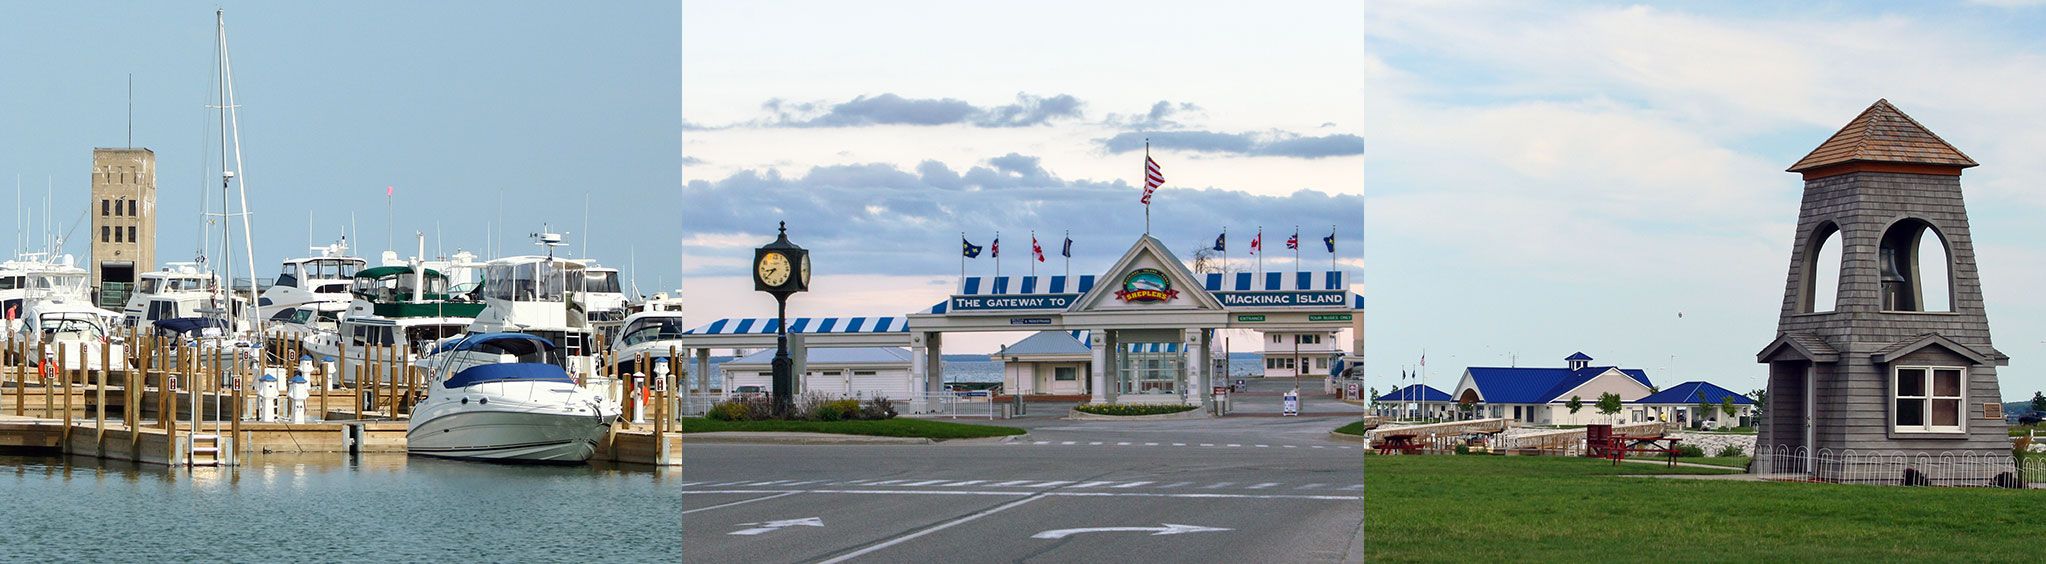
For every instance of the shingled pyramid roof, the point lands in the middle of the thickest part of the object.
(1882, 133)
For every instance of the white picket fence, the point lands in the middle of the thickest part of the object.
(1946, 469)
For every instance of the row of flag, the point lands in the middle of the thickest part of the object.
(969, 250)
(1257, 242)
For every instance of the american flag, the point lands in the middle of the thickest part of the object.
(1153, 178)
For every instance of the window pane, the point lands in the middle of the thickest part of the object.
(1910, 413)
(1946, 413)
(1946, 383)
(1911, 382)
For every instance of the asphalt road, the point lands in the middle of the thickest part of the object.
(1245, 489)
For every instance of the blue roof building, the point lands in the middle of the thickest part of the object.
(1679, 403)
(1542, 395)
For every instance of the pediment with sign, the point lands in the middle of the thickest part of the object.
(1147, 278)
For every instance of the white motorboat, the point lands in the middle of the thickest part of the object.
(653, 333)
(405, 309)
(81, 330)
(315, 284)
(505, 397)
(179, 290)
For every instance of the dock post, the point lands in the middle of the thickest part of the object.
(65, 382)
(99, 421)
(20, 377)
(43, 373)
(320, 367)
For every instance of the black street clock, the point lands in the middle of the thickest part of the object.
(781, 268)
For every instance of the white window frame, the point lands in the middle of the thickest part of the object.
(1930, 372)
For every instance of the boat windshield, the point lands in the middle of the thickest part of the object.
(57, 327)
(526, 350)
(68, 282)
(596, 281)
(655, 329)
(332, 268)
(542, 281)
(166, 285)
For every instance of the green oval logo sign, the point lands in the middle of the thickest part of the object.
(1146, 285)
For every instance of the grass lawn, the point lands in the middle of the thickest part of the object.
(2026, 430)
(1727, 461)
(900, 427)
(1495, 508)
(1354, 428)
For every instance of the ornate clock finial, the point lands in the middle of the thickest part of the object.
(784, 228)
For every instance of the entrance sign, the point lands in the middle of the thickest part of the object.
(1250, 318)
(1145, 285)
(1011, 303)
(1282, 299)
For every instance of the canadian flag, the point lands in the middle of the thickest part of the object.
(1257, 243)
(1036, 249)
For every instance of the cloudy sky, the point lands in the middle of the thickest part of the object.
(881, 138)
(1556, 179)
(520, 110)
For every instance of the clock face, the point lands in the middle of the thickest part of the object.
(806, 270)
(773, 269)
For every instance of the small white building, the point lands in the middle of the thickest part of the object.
(1679, 404)
(856, 372)
(1047, 363)
(1302, 353)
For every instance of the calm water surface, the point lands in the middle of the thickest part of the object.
(328, 507)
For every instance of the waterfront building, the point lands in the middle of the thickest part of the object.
(1679, 404)
(1893, 357)
(855, 372)
(1299, 353)
(1542, 395)
(1054, 363)
(1416, 401)
(123, 226)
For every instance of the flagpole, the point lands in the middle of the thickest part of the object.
(1147, 182)
(1296, 249)
(962, 257)
(1260, 249)
(1066, 248)
(1034, 252)
(997, 248)
(1225, 250)
(1331, 248)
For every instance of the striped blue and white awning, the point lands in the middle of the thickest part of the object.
(1025, 285)
(1276, 281)
(804, 325)
(1151, 347)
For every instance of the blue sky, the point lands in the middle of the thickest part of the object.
(525, 106)
(882, 130)
(1548, 180)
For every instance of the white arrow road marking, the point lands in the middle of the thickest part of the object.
(772, 526)
(1168, 529)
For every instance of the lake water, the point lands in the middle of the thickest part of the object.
(327, 507)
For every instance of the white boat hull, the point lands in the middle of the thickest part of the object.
(511, 434)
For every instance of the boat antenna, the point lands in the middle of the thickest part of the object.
(586, 225)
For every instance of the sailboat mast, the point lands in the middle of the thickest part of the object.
(233, 120)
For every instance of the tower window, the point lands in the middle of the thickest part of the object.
(105, 234)
(1909, 281)
(1820, 288)
(117, 234)
(131, 234)
(103, 207)
(131, 207)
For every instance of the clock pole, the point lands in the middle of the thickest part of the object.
(783, 366)
(781, 269)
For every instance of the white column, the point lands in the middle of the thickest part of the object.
(1098, 373)
(919, 367)
(1192, 356)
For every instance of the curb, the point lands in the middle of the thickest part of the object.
(1196, 413)
(1346, 438)
(795, 438)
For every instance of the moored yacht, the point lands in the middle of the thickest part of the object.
(316, 284)
(505, 397)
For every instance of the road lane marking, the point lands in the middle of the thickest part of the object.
(1262, 486)
(1133, 484)
(1053, 493)
(1167, 529)
(964, 483)
(1176, 484)
(1009, 483)
(772, 526)
(1178, 444)
(740, 502)
(1091, 484)
(1310, 486)
(940, 527)
(1218, 485)
(924, 483)
(1048, 484)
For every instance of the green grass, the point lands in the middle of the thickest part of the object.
(1354, 428)
(878, 428)
(1497, 508)
(1727, 461)
(2025, 430)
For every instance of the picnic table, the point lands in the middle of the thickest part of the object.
(1618, 446)
(1402, 444)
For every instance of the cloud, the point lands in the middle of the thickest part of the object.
(1269, 144)
(893, 109)
(1159, 117)
(877, 218)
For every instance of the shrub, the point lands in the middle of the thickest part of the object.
(836, 410)
(878, 408)
(1731, 451)
(1690, 451)
(1131, 409)
(731, 410)
(1463, 449)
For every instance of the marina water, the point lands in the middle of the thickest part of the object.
(328, 507)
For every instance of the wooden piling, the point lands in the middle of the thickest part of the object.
(99, 385)
(21, 377)
(64, 379)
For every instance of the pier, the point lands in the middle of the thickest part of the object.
(172, 402)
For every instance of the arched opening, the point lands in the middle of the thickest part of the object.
(1914, 268)
(1822, 270)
